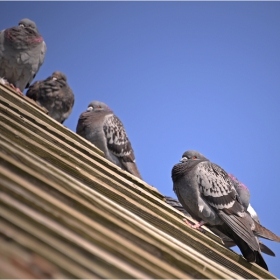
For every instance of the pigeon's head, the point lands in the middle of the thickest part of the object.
(58, 76)
(192, 154)
(27, 23)
(97, 106)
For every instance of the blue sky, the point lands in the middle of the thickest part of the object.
(180, 76)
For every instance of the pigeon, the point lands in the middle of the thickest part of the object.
(22, 52)
(54, 94)
(208, 194)
(104, 129)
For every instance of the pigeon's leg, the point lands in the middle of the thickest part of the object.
(16, 89)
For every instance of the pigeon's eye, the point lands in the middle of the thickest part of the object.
(98, 106)
(194, 157)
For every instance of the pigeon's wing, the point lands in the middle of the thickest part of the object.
(217, 188)
(42, 53)
(36, 58)
(117, 140)
(119, 144)
(242, 190)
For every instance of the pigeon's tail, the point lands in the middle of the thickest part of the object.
(260, 261)
(228, 242)
(263, 232)
(266, 250)
(131, 167)
(242, 228)
(239, 229)
(249, 254)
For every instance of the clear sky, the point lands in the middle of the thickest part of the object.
(180, 76)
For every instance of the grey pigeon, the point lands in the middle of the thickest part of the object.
(101, 127)
(55, 95)
(22, 52)
(208, 194)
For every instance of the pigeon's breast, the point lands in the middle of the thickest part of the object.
(22, 38)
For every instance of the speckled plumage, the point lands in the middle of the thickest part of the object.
(208, 194)
(101, 127)
(22, 52)
(55, 95)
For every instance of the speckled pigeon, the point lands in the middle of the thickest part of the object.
(208, 194)
(101, 127)
(22, 52)
(54, 94)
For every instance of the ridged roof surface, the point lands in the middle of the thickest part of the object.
(67, 212)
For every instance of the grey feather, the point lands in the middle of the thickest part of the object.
(100, 126)
(54, 94)
(22, 52)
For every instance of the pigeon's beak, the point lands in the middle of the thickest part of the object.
(89, 109)
(21, 25)
(184, 159)
(54, 78)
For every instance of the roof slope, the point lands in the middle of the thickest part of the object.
(67, 212)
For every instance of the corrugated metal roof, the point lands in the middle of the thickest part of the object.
(67, 212)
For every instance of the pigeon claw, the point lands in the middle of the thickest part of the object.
(16, 89)
(198, 226)
(195, 226)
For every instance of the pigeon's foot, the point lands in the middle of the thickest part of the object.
(195, 226)
(198, 225)
(16, 89)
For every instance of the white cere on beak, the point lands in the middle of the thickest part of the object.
(54, 78)
(89, 109)
(183, 159)
(21, 25)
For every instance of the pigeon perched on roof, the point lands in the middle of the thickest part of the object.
(54, 94)
(208, 194)
(101, 127)
(22, 52)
